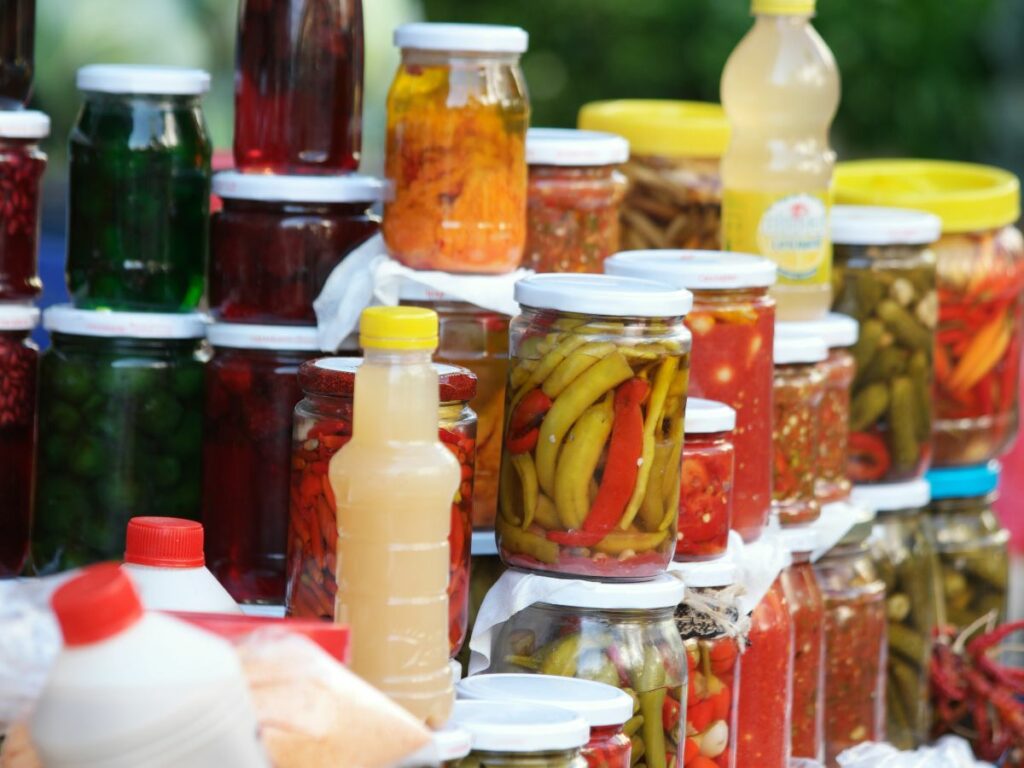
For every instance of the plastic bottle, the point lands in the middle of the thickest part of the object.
(780, 91)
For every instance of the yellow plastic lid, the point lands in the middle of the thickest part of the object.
(782, 7)
(656, 127)
(398, 328)
(967, 197)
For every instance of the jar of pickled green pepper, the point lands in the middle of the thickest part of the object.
(507, 734)
(139, 189)
(120, 429)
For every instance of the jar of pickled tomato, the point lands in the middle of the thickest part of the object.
(456, 149)
(138, 189)
(322, 424)
(595, 361)
(17, 54)
(19, 360)
(120, 429)
(573, 199)
(277, 238)
(21, 169)
(733, 326)
(514, 735)
(705, 504)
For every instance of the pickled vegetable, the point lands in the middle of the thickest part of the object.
(705, 511)
(796, 402)
(832, 484)
(807, 608)
(711, 701)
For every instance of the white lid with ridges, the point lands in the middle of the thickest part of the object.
(708, 416)
(602, 295)
(598, 703)
(63, 318)
(447, 744)
(24, 124)
(503, 726)
(835, 329)
(893, 497)
(792, 347)
(278, 337)
(473, 38)
(350, 188)
(143, 79)
(570, 147)
(877, 225)
(663, 591)
(18, 317)
(695, 270)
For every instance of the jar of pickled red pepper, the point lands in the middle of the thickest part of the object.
(277, 238)
(797, 395)
(19, 359)
(120, 429)
(573, 198)
(17, 53)
(905, 561)
(138, 189)
(322, 424)
(675, 185)
(733, 326)
(455, 158)
(21, 169)
(705, 504)
(593, 439)
(515, 735)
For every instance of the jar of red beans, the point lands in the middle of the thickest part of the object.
(705, 504)
(21, 168)
(322, 425)
(277, 239)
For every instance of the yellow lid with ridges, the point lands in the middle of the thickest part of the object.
(967, 197)
(660, 127)
(399, 328)
(782, 7)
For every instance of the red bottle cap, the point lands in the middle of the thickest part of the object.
(97, 604)
(164, 542)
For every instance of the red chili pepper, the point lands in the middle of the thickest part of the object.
(691, 751)
(670, 714)
(524, 424)
(869, 457)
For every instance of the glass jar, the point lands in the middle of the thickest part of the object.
(19, 360)
(733, 325)
(484, 571)
(456, 157)
(251, 392)
(514, 735)
(595, 360)
(21, 170)
(17, 53)
(322, 424)
(138, 189)
(675, 186)
(277, 239)
(573, 199)
(299, 86)
(120, 429)
(705, 508)
(797, 394)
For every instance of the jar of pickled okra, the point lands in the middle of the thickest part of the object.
(21, 170)
(594, 410)
(447, 746)
(705, 504)
(675, 185)
(605, 708)
(970, 543)
(733, 325)
(797, 395)
(138, 189)
(120, 429)
(515, 735)
(455, 158)
(573, 198)
(322, 425)
(19, 360)
(905, 561)
(277, 238)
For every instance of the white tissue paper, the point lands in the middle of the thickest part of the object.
(760, 563)
(835, 522)
(947, 752)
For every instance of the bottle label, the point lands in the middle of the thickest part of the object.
(791, 230)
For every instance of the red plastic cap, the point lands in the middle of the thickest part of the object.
(97, 604)
(164, 542)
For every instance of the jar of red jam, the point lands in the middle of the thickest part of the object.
(733, 326)
(705, 504)
(798, 390)
(19, 360)
(21, 168)
(251, 392)
(573, 198)
(322, 424)
(277, 239)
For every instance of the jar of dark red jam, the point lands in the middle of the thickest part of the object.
(277, 239)
(21, 168)
(705, 504)
(251, 392)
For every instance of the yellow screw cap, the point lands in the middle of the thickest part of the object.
(398, 328)
(782, 7)
(656, 127)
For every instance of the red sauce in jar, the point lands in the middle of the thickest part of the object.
(808, 611)
(705, 504)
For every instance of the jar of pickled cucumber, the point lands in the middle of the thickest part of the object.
(120, 429)
(513, 735)
(705, 503)
(21, 170)
(596, 361)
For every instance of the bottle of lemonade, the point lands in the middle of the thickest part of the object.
(780, 91)
(394, 483)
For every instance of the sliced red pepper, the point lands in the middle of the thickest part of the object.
(524, 425)
(670, 714)
(869, 457)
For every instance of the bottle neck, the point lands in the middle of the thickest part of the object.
(396, 397)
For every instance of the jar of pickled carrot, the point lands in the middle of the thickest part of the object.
(705, 503)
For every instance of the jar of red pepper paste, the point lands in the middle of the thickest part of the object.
(21, 168)
(251, 392)
(705, 504)
(277, 239)
(322, 424)
(19, 359)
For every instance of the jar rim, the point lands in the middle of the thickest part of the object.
(24, 124)
(571, 147)
(351, 188)
(473, 38)
(835, 329)
(336, 376)
(694, 269)
(708, 417)
(18, 317)
(300, 338)
(70, 320)
(503, 726)
(143, 80)
(878, 225)
(600, 705)
(603, 295)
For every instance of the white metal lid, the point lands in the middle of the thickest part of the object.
(599, 704)
(18, 317)
(567, 146)
(892, 497)
(707, 416)
(484, 544)
(876, 225)
(448, 743)
(280, 337)
(24, 124)
(663, 591)
(696, 270)
(63, 318)
(143, 79)
(792, 347)
(721, 572)
(602, 295)
(476, 38)
(835, 329)
(799, 538)
(350, 188)
(504, 726)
